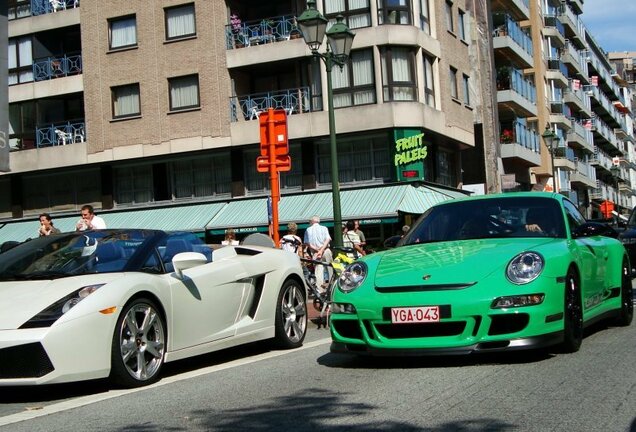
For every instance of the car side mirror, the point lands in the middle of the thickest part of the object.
(185, 260)
(590, 229)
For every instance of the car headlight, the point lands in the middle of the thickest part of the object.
(525, 267)
(48, 316)
(352, 277)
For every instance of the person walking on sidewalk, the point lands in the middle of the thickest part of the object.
(318, 239)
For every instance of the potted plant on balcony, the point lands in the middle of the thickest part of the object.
(503, 77)
(506, 136)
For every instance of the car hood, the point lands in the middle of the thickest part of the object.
(22, 300)
(456, 262)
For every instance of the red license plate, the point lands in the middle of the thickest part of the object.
(420, 314)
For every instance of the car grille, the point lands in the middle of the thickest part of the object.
(512, 323)
(405, 331)
(347, 328)
(24, 361)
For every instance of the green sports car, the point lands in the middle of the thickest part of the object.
(481, 274)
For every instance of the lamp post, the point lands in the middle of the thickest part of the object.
(550, 139)
(313, 26)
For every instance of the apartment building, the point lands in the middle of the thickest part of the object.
(149, 111)
(552, 76)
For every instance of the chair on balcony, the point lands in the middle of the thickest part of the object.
(57, 5)
(79, 135)
(63, 138)
(253, 110)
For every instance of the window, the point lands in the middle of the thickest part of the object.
(362, 159)
(354, 83)
(394, 12)
(466, 83)
(453, 82)
(202, 177)
(463, 32)
(425, 20)
(18, 9)
(180, 22)
(20, 60)
(450, 25)
(356, 13)
(445, 165)
(122, 32)
(126, 101)
(22, 125)
(398, 74)
(429, 80)
(184, 92)
(133, 185)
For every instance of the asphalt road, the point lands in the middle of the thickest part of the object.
(253, 388)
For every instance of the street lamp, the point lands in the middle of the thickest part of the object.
(313, 26)
(550, 140)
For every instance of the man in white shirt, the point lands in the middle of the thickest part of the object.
(317, 238)
(89, 220)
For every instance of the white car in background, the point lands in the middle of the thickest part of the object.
(121, 303)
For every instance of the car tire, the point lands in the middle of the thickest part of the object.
(572, 314)
(138, 345)
(627, 302)
(291, 315)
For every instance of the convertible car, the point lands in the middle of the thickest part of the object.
(121, 303)
(482, 274)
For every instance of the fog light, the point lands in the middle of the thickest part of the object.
(343, 308)
(517, 301)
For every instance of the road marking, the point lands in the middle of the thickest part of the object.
(91, 399)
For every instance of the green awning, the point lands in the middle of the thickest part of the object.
(183, 218)
(378, 202)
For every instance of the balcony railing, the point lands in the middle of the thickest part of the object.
(258, 32)
(41, 7)
(249, 107)
(57, 67)
(60, 134)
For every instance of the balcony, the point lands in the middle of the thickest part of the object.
(581, 137)
(249, 107)
(516, 92)
(584, 173)
(511, 41)
(519, 9)
(578, 100)
(560, 114)
(554, 30)
(259, 32)
(576, 61)
(574, 27)
(557, 71)
(520, 143)
(58, 134)
(564, 158)
(57, 67)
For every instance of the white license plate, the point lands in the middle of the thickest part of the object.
(415, 314)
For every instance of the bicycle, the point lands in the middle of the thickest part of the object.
(322, 299)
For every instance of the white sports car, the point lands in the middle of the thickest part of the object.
(120, 303)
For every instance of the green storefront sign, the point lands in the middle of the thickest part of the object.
(410, 151)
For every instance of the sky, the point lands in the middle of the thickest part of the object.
(612, 23)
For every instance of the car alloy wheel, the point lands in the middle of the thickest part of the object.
(139, 344)
(573, 314)
(291, 315)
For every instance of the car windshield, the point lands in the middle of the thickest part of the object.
(489, 218)
(72, 254)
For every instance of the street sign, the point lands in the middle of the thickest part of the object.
(273, 130)
(283, 163)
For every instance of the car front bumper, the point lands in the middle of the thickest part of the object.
(73, 351)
